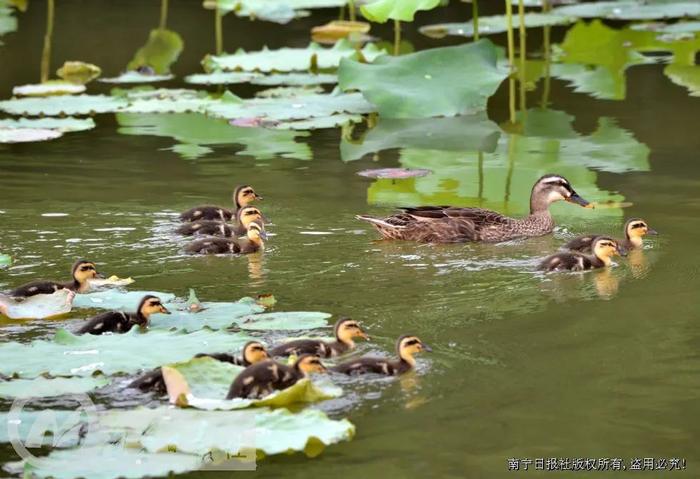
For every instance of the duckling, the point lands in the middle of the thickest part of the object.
(82, 271)
(254, 241)
(242, 196)
(604, 248)
(263, 378)
(345, 330)
(120, 322)
(252, 352)
(635, 230)
(451, 224)
(244, 216)
(406, 347)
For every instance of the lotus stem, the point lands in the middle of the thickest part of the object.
(163, 14)
(46, 52)
(511, 58)
(523, 55)
(546, 6)
(511, 167)
(397, 37)
(351, 10)
(218, 32)
(475, 19)
(547, 59)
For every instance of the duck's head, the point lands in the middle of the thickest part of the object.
(347, 329)
(254, 352)
(309, 363)
(256, 232)
(244, 195)
(408, 345)
(151, 305)
(247, 214)
(84, 270)
(635, 229)
(604, 248)
(552, 188)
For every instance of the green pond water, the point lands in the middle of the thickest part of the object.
(601, 365)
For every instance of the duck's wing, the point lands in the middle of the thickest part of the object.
(566, 262)
(366, 365)
(299, 347)
(480, 217)
(110, 322)
(36, 287)
(151, 381)
(582, 244)
(207, 212)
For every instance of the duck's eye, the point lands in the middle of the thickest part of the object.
(86, 268)
(253, 212)
(638, 225)
(248, 192)
(155, 303)
(412, 342)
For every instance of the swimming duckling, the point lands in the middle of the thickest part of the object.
(635, 230)
(254, 241)
(252, 352)
(263, 378)
(244, 216)
(450, 224)
(120, 322)
(604, 248)
(82, 271)
(406, 347)
(242, 196)
(345, 330)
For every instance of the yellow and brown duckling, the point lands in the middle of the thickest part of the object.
(263, 378)
(635, 230)
(120, 322)
(82, 271)
(252, 242)
(604, 248)
(244, 216)
(252, 352)
(243, 195)
(406, 347)
(450, 224)
(345, 330)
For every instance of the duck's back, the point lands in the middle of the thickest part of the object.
(37, 287)
(261, 379)
(206, 227)
(301, 346)
(370, 365)
(572, 261)
(207, 212)
(111, 322)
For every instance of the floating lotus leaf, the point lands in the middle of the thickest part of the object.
(117, 299)
(160, 51)
(130, 352)
(43, 387)
(336, 30)
(63, 105)
(445, 81)
(493, 24)
(111, 281)
(288, 91)
(221, 78)
(213, 316)
(679, 27)
(206, 377)
(394, 173)
(8, 23)
(50, 88)
(27, 135)
(63, 125)
(278, 11)
(687, 76)
(5, 260)
(189, 151)
(298, 79)
(291, 321)
(470, 133)
(136, 77)
(194, 130)
(319, 122)
(404, 10)
(632, 10)
(38, 306)
(79, 73)
(289, 59)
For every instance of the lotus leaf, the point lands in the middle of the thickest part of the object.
(37, 307)
(445, 81)
(288, 91)
(50, 88)
(493, 24)
(136, 77)
(279, 11)
(79, 73)
(63, 105)
(335, 30)
(27, 135)
(289, 59)
(403, 10)
(212, 316)
(674, 28)
(298, 79)
(319, 122)
(632, 10)
(221, 78)
(5, 260)
(160, 51)
(43, 387)
(58, 124)
(8, 23)
(687, 76)
(290, 321)
(116, 299)
(111, 281)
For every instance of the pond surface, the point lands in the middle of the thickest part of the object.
(603, 364)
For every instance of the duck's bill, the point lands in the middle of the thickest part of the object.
(263, 235)
(652, 232)
(427, 348)
(364, 335)
(622, 251)
(99, 275)
(164, 310)
(575, 198)
(258, 197)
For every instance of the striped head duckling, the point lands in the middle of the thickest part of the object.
(244, 216)
(253, 241)
(121, 322)
(407, 347)
(82, 271)
(243, 195)
(263, 378)
(345, 331)
(635, 230)
(604, 248)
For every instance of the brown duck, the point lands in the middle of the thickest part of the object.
(604, 248)
(635, 230)
(345, 330)
(244, 216)
(242, 196)
(450, 224)
(82, 271)
(406, 347)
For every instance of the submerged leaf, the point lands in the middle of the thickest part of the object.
(403, 10)
(493, 24)
(42, 387)
(39, 306)
(80, 73)
(687, 76)
(160, 51)
(27, 135)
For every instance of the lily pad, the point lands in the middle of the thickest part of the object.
(111, 281)
(27, 135)
(43, 387)
(50, 88)
(295, 79)
(319, 122)
(289, 59)
(63, 105)
(160, 51)
(336, 30)
(221, 78)
(39, 306)
(687, 76)
(5, 260)
(136, 77)
(404, 10)
(116, 299)
(493, 24)
(63, 125)
(631, 10)
(445, 81)
(278, 11)
(284, 321)
(673, 28)
(213, 315)
(79, 73)
(394, 173)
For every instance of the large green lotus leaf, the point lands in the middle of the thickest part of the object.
(279, 11)
(197, 130)
(63, 105)
(687, 76)
(289, 59)
(136, 77)
(37, 307)
(493, 24)
(404, 10)
(284, 321)
(117, 299)
(111, 353)
(213, 316)
(298, 79)
(460, 133)
(59, 124)
(207, 377)
(632, 10)
(221, 78)
(160, 51)
(27, 135)
(443, 81)
(43, 387)
(50, 88)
